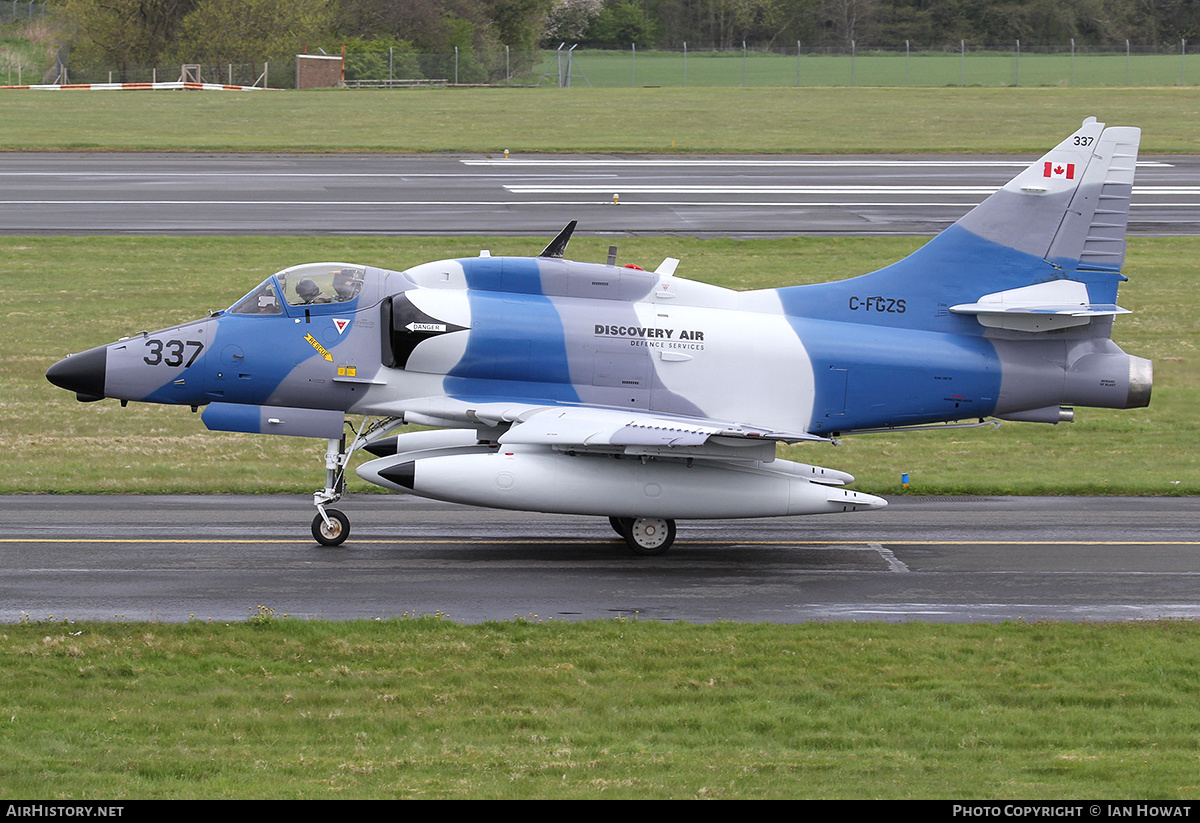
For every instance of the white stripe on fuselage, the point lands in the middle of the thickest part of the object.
(748, 367)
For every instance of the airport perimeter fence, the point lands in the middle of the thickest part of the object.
(1123, 64)
(19, 11)
(958, 65)
(265, 74)
(1119, 65)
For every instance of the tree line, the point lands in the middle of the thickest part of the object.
(120, 32)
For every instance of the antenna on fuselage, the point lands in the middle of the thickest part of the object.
(558, 246)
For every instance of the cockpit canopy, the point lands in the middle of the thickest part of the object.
(306, 285)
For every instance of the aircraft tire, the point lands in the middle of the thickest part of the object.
(650, 535)
(333, 534)
(621, 525)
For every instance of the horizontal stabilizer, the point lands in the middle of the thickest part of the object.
(1058, 304)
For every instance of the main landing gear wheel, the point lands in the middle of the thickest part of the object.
(620, 524)
(333, 533)
(649, 535)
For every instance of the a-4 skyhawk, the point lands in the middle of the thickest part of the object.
(595, 389)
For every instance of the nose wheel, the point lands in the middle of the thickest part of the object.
(331, 528)
(645, 535)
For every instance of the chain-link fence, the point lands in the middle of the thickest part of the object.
(960, 65)
(19, 11)
(1116, 65)
(1122, 64)
(497, 67)
(266, 74)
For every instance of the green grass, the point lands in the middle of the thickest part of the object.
(90, 291)
(682, 120)
(615, 69)
(424, 708)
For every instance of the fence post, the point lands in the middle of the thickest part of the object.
(632, 65)
(456, 65)
(685, 64)
(1182, 61)
(743, 64)
(797, 64)
(962, 63)
(1072, 61)
(852, 53)
(1018, 64)
(1127, 62)
(905, 62)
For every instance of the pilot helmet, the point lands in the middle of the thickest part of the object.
(307, 289)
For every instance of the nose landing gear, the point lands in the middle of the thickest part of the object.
(330, 527)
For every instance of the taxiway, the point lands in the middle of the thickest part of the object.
(983, 559)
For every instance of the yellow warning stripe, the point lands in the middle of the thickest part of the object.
(324, 352)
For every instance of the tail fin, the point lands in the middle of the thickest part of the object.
(1063, 218)
(1071, 207)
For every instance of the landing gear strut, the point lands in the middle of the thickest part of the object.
(331, 527)
(645, 535)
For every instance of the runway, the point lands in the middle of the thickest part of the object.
(179, 558)
(199, 194)
(219, 557)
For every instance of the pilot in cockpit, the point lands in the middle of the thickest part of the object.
(309, 292)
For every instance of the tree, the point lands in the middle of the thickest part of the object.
(250, 31)
(847, 20)
(519, 23)
(430, 25)
(569, 20)
(622, 23)
(123, 32)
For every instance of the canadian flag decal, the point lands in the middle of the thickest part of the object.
(1065, 170)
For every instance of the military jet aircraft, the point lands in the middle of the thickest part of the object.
(596, 389)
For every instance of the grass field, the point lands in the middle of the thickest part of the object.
(423, 709)
(639, 67)
(680, 120)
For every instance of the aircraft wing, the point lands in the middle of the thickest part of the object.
(586, 427)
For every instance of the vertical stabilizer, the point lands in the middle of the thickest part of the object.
(1093, 231)
(1071, 207)
(1063, 218)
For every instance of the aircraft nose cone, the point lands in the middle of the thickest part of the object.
(81, 373)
